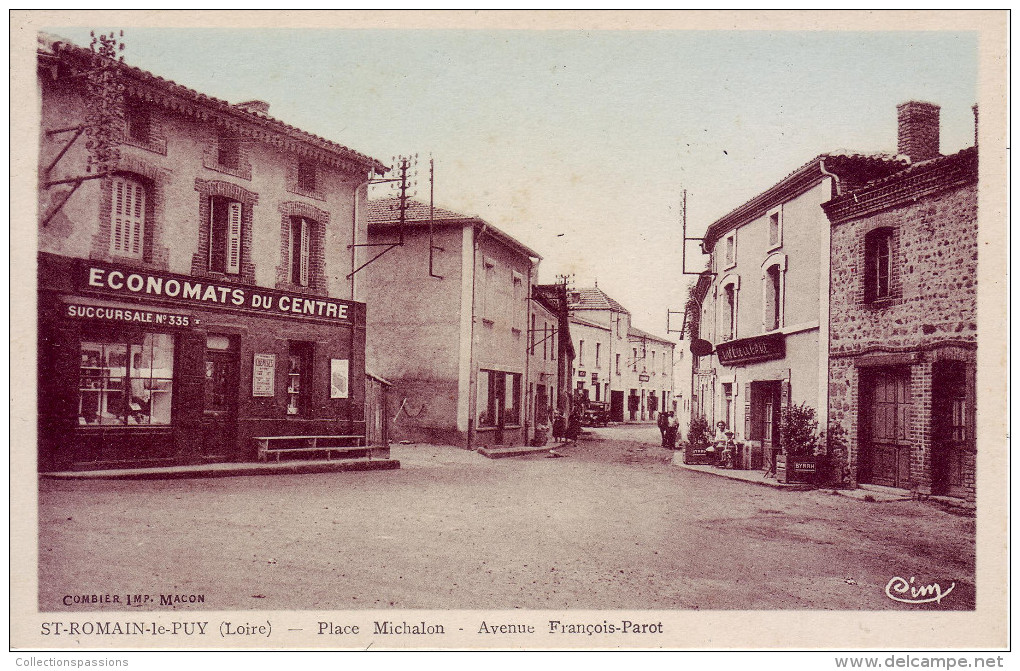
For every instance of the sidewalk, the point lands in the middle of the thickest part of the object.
(226, 470)
(869, 493)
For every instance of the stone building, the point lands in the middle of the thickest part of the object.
(903, 323)
(651, 375)
(449, 328)
(198, 293)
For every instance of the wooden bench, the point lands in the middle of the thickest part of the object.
(295, 444)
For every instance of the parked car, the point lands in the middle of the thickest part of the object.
(596, 414)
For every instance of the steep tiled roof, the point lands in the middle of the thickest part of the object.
(383, 212)
(916, 181)
(593, 299)
(638, 333)
(55, 47)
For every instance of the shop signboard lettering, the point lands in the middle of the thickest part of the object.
(128, 315)
(263, 378)
(760, 348)
(199, 291)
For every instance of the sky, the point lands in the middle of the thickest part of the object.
(581, 143)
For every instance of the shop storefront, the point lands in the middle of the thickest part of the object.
(140, 368)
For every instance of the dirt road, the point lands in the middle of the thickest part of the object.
(610, 525)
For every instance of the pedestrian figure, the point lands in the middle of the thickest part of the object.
(574, 424)
(663, 425)
(559, 427)
(672, 427)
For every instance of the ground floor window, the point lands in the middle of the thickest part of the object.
(499, 398)
(126, 381)
(299, 371)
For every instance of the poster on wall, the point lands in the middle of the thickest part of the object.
(338, 375)
(263, 377)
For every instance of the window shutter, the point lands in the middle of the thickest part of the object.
(234, 238)
(305, 244)
(747, 411)
(127, 220)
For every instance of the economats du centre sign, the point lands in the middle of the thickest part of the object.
(200, 292)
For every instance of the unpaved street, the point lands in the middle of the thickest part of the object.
(610, 525)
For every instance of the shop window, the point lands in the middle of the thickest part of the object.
(126, 382)
(307, 176)
(878, 255)
(127, 217)
(298, 377)
(224, 235)
(300, 250)
(228, 151)
(499, 398)
(728, 405)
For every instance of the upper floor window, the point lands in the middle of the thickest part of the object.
(224, 235)
(617, 364)
(127, 217)
(307, 177)
(300, 250)
(775, 221)
(228, 151)
(730, 250)
(634, 365)
(580, 353)
(773, 298)
(139, 124)
(598, 354)
(729, 311)
(652, 368)
(878, 264)
(488, 293)
(531, 334)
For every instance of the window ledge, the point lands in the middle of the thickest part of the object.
(315, 194)
(242, 171)
(156, 145)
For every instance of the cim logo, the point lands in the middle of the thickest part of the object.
(906, 591)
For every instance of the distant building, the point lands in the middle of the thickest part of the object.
(616, 362)
(552, 355)
(188, 299)
(454, 344)
(903, 317)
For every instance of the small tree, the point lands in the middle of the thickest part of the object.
(798, 431)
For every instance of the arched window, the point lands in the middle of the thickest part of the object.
(878, 258)
(127, 217)
(729, 305)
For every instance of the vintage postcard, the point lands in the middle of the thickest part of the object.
(509, 330)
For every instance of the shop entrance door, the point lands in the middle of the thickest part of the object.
(616, 405)
(885, 454)
(766, 405)
(219, 421)
(950, 430)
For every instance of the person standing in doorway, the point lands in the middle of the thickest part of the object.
(663, 424)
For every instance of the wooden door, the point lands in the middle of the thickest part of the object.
(950, 418)
(886, 449)
(219, 422)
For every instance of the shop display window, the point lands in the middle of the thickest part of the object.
(126, 382)
(298, 375)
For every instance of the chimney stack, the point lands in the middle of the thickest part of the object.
(918, 130)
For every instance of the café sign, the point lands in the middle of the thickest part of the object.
(202, 292)
(747, 350)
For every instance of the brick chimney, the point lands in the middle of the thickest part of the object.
(918, 130)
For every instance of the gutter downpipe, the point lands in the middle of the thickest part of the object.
(526, 391)
(354, 251)
(826, 283)
(472, 373)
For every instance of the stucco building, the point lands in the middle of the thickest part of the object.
(454, 342)
(903, 334)
(762, 305)
(197, 293)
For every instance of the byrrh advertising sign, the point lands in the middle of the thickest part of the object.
(746, 350)
(203, 292)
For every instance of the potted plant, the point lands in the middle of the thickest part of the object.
(798, 439)
(698, 440)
